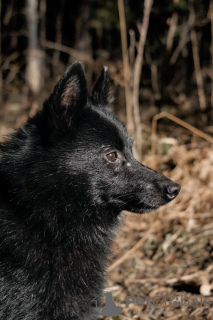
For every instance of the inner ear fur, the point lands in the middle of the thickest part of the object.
(70, 94)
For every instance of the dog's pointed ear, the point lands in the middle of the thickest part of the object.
(70, 94)
(101, 94)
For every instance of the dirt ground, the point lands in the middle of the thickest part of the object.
(167, 253)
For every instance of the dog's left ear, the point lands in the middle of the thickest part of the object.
(101, 94)
(70, 94)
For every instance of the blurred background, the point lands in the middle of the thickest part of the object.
(160, 59)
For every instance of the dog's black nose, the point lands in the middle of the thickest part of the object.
(172, 190)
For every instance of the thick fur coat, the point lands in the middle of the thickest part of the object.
(65, 176)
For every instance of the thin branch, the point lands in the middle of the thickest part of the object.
(172, 30)
(178, 121)
(132, 48)
(184, 39)
(196, 57)
(1, 76)
(74, 53)
(138, 70)
(131, 57)
(171, 281)
(211, 17)
(154, 80)
(154, 75)
(130, 123)
(56, 54)
(6, 62)
(128, 254)
(43, 8)
(34, 72)
(8, 14)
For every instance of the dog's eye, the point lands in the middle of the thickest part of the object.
(112, 156)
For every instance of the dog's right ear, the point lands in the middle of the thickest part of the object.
(70, 94)
(101, 94)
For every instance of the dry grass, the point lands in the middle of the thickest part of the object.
(176, 255)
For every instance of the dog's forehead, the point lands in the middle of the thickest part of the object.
(111, 129)
(122, 132)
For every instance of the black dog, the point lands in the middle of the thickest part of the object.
(65, 176)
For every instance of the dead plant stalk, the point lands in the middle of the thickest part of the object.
(1, 76)
(211, 17)
(195, 52)
(178, 121)
(138, 70)
(130, 123)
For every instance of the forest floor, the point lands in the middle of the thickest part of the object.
(167, 253)
(171, 249)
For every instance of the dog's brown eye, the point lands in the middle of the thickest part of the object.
(112, 156)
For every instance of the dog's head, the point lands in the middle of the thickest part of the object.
(96, 150)
(81, 153)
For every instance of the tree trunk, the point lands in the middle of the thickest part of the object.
(34, 73)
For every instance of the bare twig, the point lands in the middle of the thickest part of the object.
(43, 21)
(178, 121)
(132, 48)
(182, 215)
(184, 39)
(20, 33)
(172, 29)
(196, 57)
(14, 69)
(154, 79)
(154, 75)
(74, 53)
(43, 8)
(211, 17)
(6, 62)
(8, 14)
(138, 70)
(172, 281)
(130, 123)
(1, 77)
(34, 73)
(128, 254)
(56, 54)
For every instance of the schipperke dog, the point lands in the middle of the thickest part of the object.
(65, 176)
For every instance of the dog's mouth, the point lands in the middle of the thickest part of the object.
(143, 207)
(143, 202)
(160, 200)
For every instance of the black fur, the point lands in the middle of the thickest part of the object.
(60, 199)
